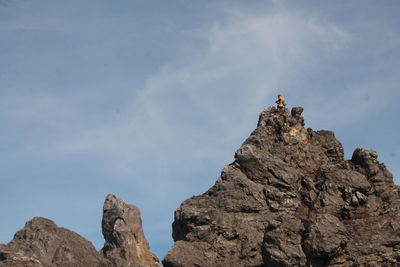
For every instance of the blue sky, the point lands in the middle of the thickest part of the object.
(150, 99)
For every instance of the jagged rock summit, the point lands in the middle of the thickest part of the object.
(291, 199)
(41, 243)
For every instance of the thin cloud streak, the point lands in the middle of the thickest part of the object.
(237, 74)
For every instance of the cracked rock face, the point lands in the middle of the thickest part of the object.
(291, 199)
(125, 243)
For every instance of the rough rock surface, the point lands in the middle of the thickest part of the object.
(41, 243)
(125, 242)
(291, 199)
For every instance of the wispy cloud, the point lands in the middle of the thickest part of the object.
(212, 98)
(222, 87)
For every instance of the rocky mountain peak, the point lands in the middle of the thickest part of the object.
(291, 199)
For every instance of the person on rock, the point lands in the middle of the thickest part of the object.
(280, 102)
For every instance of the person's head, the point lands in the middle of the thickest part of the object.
(279, 95)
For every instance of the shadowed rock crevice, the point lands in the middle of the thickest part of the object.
(291, 199)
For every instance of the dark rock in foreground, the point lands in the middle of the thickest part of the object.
(290, 199)
(41, 243)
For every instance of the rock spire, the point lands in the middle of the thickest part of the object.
(122, 229)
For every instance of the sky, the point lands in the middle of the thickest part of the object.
(148, 100)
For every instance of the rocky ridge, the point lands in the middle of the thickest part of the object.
(291, 199)
(41, 243)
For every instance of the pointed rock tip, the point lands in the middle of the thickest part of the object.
(296, 111)
(113, 202)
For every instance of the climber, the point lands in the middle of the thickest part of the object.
(281, 101)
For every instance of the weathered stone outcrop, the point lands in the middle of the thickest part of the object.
(41, 243)
(125, 242)
(291, 199)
